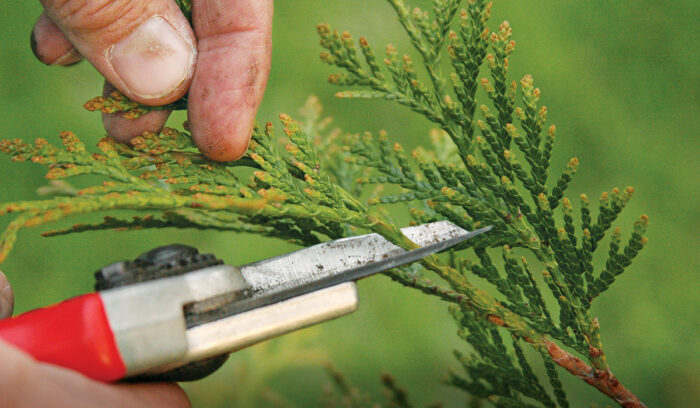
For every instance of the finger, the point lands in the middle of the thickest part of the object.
(27, 383)
(7, 297)
(165, 395)
(50, 46)
(232, 69)
(124, 129)
(144, 48)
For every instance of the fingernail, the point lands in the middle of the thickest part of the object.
(153, 60)
(68, 59)
(33, 44)
(7, 298)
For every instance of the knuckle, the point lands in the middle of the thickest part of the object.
(90, 16)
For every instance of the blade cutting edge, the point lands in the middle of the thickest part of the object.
(343, 260)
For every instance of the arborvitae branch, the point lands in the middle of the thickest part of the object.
(314, 187)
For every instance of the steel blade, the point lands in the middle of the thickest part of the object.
(304, 287)
(326, 265)
(342, 260)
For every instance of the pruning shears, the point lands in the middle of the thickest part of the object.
(173, 314)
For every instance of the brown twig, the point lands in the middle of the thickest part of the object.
(603, 380)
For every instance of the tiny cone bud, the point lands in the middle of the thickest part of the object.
(527, 81)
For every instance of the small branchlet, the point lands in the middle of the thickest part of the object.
(116, 102)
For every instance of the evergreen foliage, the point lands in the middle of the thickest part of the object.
(343, 394)
(487, 166)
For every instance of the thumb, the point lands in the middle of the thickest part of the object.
(144, 48)
(7, 298)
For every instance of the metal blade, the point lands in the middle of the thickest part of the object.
(347, 259)
(307, 272)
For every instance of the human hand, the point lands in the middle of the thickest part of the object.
(149, 51)
(25, 382)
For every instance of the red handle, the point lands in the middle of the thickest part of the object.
(74, 334)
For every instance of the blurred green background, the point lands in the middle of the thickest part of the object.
(621, 83)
